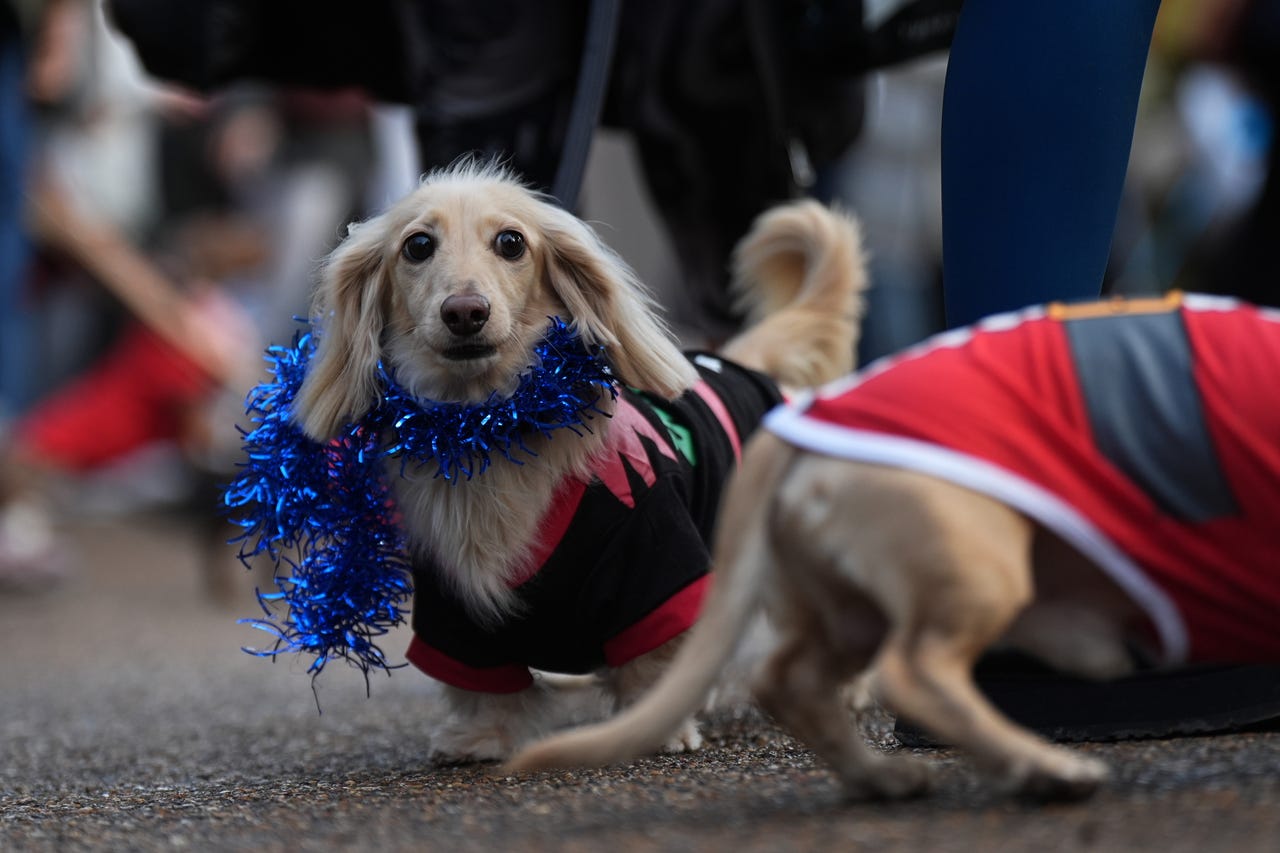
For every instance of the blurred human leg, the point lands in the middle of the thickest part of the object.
(1038, 116)
(15, 337)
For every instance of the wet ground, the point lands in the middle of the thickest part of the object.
(130, 720)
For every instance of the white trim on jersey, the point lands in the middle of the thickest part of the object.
(792, 425)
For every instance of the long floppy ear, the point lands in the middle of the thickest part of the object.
(341, 382)
(612, 308)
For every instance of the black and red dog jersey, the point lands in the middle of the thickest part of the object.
(1146, 433)
(621, 561)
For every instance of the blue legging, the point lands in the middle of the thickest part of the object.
(15, 331)
(1037, 123)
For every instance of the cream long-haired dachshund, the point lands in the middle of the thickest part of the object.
(589, 553)
(1075, 482)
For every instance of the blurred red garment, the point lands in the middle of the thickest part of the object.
(139, 393)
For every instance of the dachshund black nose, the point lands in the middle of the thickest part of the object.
(465, 314)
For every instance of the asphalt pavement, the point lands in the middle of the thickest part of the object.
(131, 720)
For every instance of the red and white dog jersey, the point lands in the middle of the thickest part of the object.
(1145, 433)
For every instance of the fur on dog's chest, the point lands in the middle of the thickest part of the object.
(618, 561)
(1147, 437)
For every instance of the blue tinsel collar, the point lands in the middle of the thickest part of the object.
(324, 514)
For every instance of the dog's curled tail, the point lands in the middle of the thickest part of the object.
(741, 562)
(799, 278)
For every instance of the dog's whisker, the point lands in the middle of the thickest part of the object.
(399, 336)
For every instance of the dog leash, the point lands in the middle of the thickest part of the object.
(588, 99)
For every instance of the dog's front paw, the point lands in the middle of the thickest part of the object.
(686, 739)
(453, 746)
(472, 727)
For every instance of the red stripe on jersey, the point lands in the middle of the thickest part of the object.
(507, 678)
(671, 618)
(564, 505)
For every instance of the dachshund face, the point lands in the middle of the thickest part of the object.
(469, 296)
(453, 287)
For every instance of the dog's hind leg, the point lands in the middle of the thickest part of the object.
(968, 592)
(932, 685)
(801, 687)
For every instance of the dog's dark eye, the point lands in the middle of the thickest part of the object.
(418, 247)
(509, 244)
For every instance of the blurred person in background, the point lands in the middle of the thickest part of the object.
(88, 199)
(731, 105)
(201, 219)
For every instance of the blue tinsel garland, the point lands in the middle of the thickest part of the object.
(324, 513)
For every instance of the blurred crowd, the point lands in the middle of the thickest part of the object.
(160, 238)
(163, 238)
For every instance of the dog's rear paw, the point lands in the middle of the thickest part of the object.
(438, 758)
(687, 739)
(1072, 778)
(888, 778)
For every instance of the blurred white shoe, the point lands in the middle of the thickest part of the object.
(30, 557)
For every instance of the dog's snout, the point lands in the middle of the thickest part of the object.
(465, 314)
